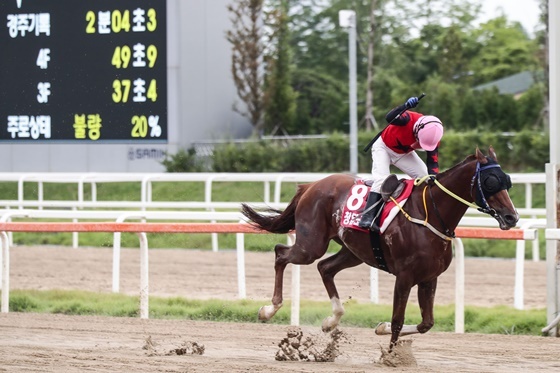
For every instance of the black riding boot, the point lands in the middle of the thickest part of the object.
(371, 211)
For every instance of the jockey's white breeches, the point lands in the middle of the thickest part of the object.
(383, 158)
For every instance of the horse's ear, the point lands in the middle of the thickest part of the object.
(492, 153)
(480, 157)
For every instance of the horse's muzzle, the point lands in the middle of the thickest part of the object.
(507, 220)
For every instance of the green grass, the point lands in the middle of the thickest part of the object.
(495, 320)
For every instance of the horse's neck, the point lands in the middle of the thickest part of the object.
(458, 181)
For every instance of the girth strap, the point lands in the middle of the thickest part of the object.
(377, 252)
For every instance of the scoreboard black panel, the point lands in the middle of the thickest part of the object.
(83, 71)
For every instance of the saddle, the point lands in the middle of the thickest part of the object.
(392, 187)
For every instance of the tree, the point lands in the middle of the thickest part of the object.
(368, 116)
(441, 101)
(246, 59)
(415, 58)
(431, 46)
(543, 41)
(280, 98)
(532, 108)
(451, 64)
(319, 98)
(505, 50)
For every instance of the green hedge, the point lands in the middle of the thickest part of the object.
(525, 151)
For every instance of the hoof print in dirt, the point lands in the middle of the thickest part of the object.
(400, 356)
(296, 347)
(186, 348)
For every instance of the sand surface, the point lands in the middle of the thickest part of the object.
(60, 343)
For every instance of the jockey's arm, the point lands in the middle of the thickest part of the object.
(393, 116)
(432, 161)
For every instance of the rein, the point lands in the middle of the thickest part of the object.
(448, 236)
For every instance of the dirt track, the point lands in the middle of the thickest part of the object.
(206, 274)
(57, 343)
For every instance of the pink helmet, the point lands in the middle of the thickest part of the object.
(428, 130)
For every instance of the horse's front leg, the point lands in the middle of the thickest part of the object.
(426, 297)
(403, 284)
(328, 268)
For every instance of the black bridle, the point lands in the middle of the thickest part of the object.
(488, 179)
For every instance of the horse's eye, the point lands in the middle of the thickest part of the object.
(491, 183)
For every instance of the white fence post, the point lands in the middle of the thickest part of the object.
(144, 276)
(519, 273)
(5, 272)
(459, 285)
(116, 261)
(240, 249)
(296, 278)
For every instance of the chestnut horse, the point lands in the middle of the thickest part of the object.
(414, 251)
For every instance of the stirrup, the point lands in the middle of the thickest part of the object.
(365, 224)
(374, 227)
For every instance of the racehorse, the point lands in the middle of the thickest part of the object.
(416, 254)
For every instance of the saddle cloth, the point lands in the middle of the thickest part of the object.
(356, 202)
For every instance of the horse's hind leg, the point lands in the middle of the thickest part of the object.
(328, 268)
(302, 252)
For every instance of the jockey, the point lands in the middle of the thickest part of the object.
(407, 131)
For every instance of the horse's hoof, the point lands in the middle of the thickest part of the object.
(328, 324)
(383, 328)
(266, 312)
(262, 314)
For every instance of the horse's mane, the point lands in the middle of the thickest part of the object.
(468, 159)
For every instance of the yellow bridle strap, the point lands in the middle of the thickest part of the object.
(400, 208)
(424, 178)
(425, 206)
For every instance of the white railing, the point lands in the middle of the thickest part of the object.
(121, 216)
(142, 228)
(147, 180)
(269, 199)
(145, 204)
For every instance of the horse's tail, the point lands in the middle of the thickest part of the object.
(273, 220)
